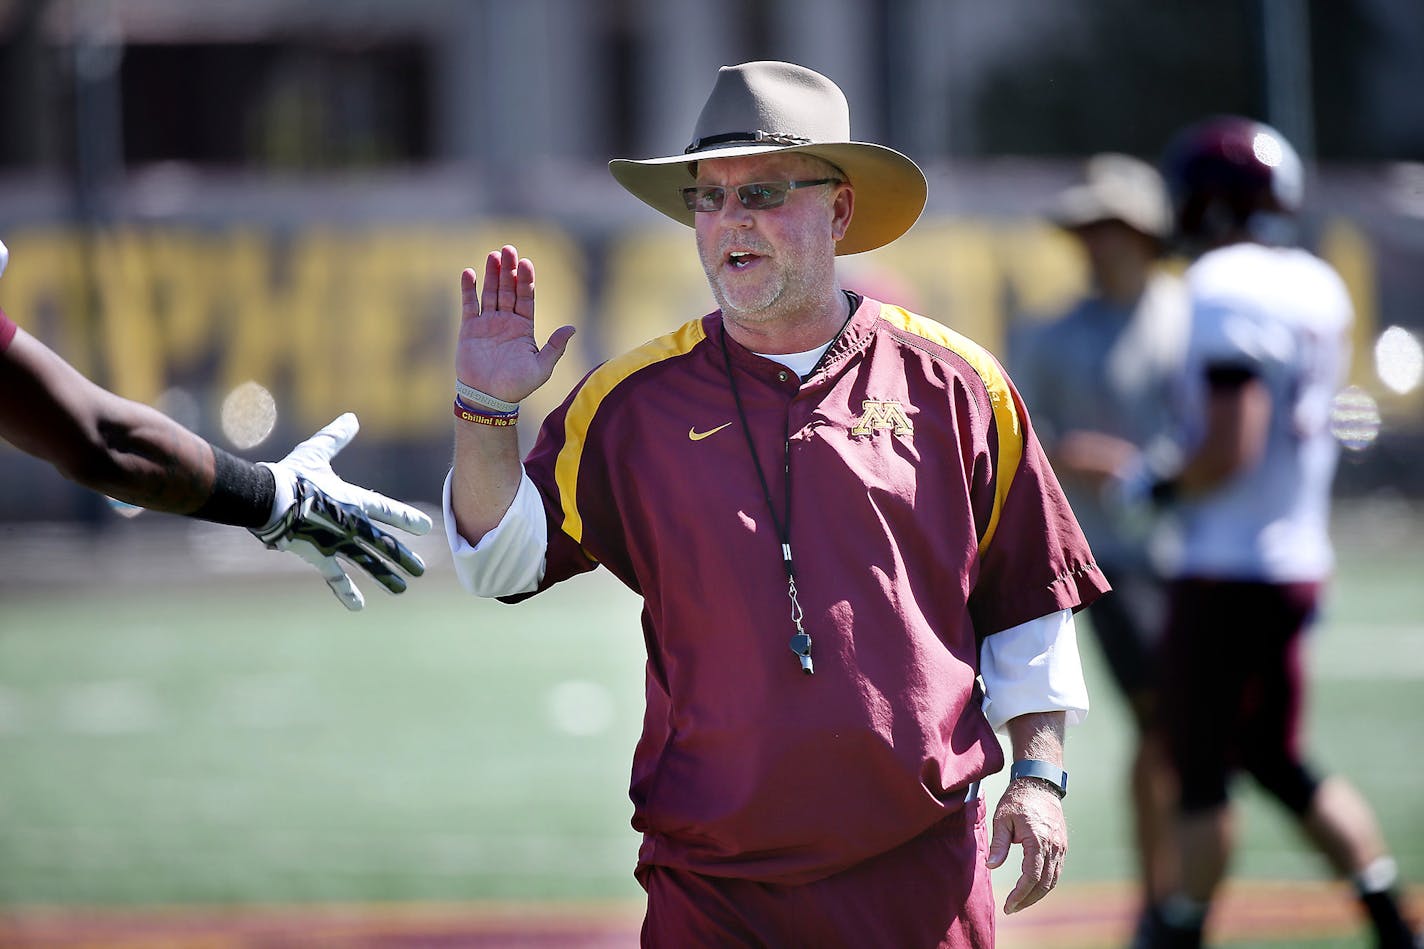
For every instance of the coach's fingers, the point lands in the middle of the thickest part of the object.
(489, 295)
(509, 278)
(1029, 887)
(524, 288)
(553, 350)
(1041, 870)
(999, 845)
(469, 294)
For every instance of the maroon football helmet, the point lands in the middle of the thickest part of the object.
(1225, 171)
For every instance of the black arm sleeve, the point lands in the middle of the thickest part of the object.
(242, 492)
(1223, 375)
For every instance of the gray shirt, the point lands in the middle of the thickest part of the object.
(1110, 369)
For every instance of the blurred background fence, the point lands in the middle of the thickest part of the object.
(254, 214)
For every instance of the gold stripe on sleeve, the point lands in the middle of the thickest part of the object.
(1006, 416)
(585, 405)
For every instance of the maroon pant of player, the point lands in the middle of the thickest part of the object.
(1233, 688)
(930, 891)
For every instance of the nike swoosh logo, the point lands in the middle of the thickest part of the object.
(697, 436)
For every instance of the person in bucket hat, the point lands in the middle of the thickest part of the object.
(840, 522)
(1102, 380)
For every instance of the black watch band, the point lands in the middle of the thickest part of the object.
(1055, 776)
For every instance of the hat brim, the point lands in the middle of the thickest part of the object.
(890, 189)
(1080, 207)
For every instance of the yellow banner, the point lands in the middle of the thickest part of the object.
(364, 320)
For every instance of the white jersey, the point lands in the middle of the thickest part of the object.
(1284, 315)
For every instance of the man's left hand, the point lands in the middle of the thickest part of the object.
(1031, 815)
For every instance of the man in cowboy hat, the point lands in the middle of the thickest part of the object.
(828, 505)
(1102, 381)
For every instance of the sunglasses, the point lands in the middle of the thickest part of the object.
(756, 196)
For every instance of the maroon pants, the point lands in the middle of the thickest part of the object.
(932, 891)
(1233, 688)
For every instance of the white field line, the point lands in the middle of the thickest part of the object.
(1367, 652)
(307, 853)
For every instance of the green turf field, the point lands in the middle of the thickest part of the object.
(246, 740)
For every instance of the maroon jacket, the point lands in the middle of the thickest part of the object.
(924, 516)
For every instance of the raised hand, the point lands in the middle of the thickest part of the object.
(497, 352)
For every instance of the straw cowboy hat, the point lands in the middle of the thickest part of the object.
(763, 107)
(1117, 188)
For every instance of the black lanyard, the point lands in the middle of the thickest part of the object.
(801, 641)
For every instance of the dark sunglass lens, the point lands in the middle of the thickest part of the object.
(703, 198)
(761, 195)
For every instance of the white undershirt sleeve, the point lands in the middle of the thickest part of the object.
(1034, 667)
(511, 557)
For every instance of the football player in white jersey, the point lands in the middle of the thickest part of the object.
(1268, 349)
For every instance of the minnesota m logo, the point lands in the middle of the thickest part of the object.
(881, 415)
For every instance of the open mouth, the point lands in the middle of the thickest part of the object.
(740, 260)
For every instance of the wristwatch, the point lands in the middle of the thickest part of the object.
(1054, 776)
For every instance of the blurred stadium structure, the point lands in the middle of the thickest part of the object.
(268, 203)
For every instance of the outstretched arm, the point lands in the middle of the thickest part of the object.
(95, 438)
(498, 356)
(137, 454)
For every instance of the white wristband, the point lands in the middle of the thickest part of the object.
(484, 398)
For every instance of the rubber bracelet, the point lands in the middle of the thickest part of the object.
(481, 410)
(1045, 771)
(484, 398)
(465, 414)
